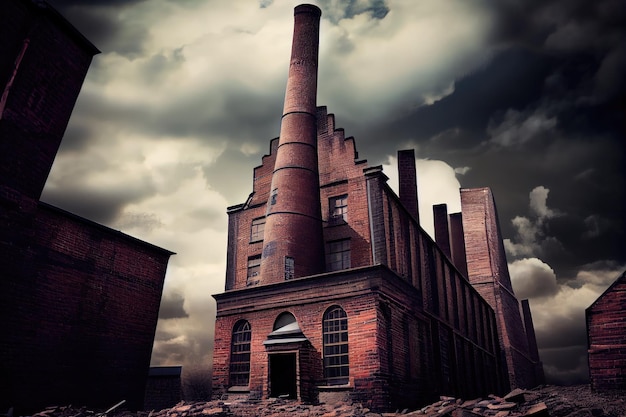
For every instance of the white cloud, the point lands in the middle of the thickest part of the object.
(530, 238)
(374, 68)
(462, 170)
(538, 203)
(558, 311)
(532, 278)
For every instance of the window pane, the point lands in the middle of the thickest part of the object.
(338, 209)
(335, 338)
(254, 269)
(240, 354)
(290, 268)
(257, 229)
(338, 255)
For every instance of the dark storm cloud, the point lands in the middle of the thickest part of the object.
(568, 330)
(96, 204)
(100, 22)
(172, 306)
(232, 112)
(548, 105)
(512, 79)
(566, 365)
(335, 11)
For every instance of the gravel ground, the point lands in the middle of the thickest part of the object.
(544, 401)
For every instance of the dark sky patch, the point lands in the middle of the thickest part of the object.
(172, 306)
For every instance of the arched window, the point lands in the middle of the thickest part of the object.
(240, 354)
(335, 335)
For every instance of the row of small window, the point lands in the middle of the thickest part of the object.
(335, 349)
(338, 213)
(337, 259)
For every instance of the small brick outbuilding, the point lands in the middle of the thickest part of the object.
(606, 338)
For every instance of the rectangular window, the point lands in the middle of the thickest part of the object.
(338, 210)
(290, 268)
(257, 229)
(338, 256)
(254, 268)
(273, 196)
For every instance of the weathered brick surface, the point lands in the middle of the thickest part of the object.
(442, 230)
(51, 61)
(488, 273)
(606, 338)
(293, 217)
(416, 324)
(163, 388)
(78, 301)
(407, 177)
(400, 357)
(80, 305)
(389, 338)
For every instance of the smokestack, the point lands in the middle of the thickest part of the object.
(457, 243)
(442, 232)
(407, 179)
(293, 242)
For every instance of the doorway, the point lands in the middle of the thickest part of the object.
(283, 375)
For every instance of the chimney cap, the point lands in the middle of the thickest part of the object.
(307, 8)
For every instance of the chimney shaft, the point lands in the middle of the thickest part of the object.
(457, 243)
(407, 182)
(293, 242)
(442, 231)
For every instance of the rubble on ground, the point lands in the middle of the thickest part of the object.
(545, 401)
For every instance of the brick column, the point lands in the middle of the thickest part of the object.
(293, 243)
(457, 243)
(442, 232)
(407, 182)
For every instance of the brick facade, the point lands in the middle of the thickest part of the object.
(606, 338)
(411, 325)
(79, 301)
(415, 326)
(488, 272)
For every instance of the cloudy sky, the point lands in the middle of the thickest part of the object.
(524, 96)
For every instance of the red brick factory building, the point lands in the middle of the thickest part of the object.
(606, 338)
(78, 301)
(334, 291)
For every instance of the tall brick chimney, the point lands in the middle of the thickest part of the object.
(407, 178)
(293, 242)
(457, 243)
(442, 230)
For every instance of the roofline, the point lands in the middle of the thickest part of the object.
(43, 7)
(610, 287)
(106, 229)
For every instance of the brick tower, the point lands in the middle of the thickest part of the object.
(489, 274)
(333, 290)
(292, 246)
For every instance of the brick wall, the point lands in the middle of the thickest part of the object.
(442, 336)
(79, 314)
(163, 388)
(606, 335)
(488, 273)
(78, 301)
(390, 346)
(52, 60)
